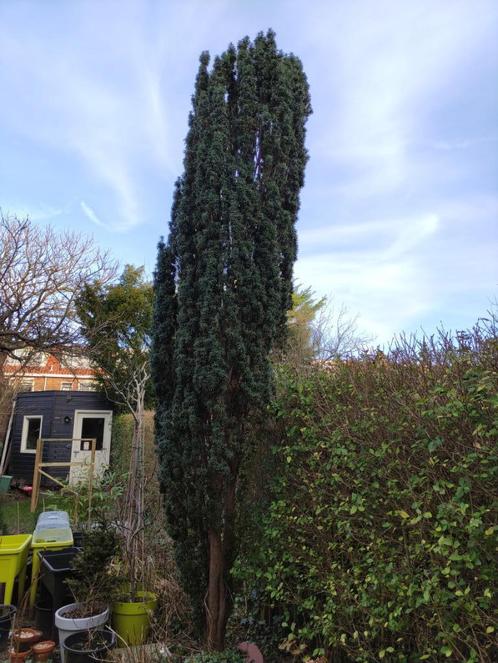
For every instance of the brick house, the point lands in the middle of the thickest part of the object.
(48, 372)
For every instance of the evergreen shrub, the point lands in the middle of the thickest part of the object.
(380, 541)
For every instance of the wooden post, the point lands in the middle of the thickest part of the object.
(90, 475)
(39, 471)
(36, 475)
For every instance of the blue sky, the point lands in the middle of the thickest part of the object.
(399, 215)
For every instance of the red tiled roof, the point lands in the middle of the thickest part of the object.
(51, 367)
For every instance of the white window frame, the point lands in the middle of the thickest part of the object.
(70, 388)
(25, 427)
(90, 384)
(17, 382)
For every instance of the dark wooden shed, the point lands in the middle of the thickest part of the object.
(59, 414)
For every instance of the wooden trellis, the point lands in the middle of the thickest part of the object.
(39, 465)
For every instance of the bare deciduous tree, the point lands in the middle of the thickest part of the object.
(335, 333)
(41, 273)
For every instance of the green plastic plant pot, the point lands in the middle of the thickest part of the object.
(131, 620)
(5, 480)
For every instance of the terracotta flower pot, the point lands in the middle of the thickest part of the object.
(253, 655)
(25, 637)
(18, 656)
(43, 650)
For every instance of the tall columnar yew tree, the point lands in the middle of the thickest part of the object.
(223, 286)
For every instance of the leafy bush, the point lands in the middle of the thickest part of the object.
(380, 542)
(122, 432)
(93, 584)
(85, 506)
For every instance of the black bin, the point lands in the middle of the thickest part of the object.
(45, 617)
(56, 567)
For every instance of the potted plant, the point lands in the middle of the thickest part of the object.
(23, 638)
(43, 650)
(131, 616)
(22, 641)
(88, 646)
(18, 656)
(92, 585)
(133, 605)
(133, 608)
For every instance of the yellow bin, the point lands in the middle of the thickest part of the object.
(46, 539)
(13, 557)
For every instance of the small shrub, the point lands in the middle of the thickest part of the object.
(93, 584)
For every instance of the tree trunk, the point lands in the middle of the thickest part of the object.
(216, 597)
(221, 558)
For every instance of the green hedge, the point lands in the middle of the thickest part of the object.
(381, 540)
(122, 433)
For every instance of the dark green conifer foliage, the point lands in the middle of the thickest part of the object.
(223, 287)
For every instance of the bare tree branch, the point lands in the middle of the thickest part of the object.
(335, 333)
(41, 273)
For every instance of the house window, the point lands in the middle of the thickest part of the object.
(31, 431)
(92, 428)
(66, 386)
(75, 361)
(87, 385)
(26, 384)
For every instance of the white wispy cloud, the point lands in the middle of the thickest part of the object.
(388, 64)
(91, 214)
(383, 280)
(399, 212)
(399, 271)
(111, 115)
(37, 212)
(463, 144)
(403, 228)
(99, 83)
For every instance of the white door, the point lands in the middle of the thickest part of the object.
(89, 424)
